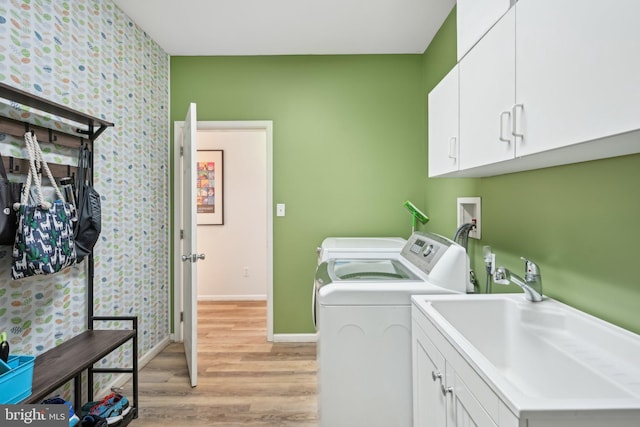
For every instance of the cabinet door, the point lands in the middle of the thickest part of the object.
(487, 96)
(578, 71)
(429, 404)
(467, 410)
(443, 125)
(474, 18)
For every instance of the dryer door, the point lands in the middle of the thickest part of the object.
(322, 278)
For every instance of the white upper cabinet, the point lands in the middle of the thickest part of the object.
(578, 71)
(487, 96)
(474, 18)
(550, 83)
(443, 125)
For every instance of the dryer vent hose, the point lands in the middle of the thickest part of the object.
(462, 238)
(462, 235)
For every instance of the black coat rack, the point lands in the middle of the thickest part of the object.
(70, 359)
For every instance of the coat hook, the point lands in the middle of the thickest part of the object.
(52, 136)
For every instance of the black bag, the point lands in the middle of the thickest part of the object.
(9, 194)
(89, 220)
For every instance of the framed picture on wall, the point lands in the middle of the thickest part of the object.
(210, 187)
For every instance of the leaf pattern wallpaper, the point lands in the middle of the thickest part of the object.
(90, 56)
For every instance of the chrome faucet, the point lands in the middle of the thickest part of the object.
(531, 284)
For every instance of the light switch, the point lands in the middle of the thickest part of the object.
(280, 209)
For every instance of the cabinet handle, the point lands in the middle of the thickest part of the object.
(436, 375)
(514, 124)
(502, 115)
(452, 148)
(446, 390)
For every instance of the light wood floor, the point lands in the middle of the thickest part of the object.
(243, 380)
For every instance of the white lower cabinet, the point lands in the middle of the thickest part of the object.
(529, 379)
(429, 403)
(467, 411)
(443, 397)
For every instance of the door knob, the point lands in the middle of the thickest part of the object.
(192, 257)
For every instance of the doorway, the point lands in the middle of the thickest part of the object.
(242, 275)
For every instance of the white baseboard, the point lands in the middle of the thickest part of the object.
(151, 354)
(232, 297)
(295, 337)
(121, 379)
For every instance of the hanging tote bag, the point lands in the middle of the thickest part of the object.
(44, 237)
(9, 195)
(89, 223)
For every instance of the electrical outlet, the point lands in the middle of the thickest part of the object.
(245, 271)
(469, 210)
(280, 209)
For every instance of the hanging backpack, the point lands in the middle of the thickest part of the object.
(9, 194)
(88, 224)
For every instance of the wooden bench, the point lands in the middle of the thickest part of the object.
(69, 360)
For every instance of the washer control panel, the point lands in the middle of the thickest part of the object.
(417, 246)
(424, 250)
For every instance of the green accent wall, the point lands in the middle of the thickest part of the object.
(578, 222)
(348, 149)
(350, 138)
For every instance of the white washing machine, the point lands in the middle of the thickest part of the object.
(359, 247)
(362, 312)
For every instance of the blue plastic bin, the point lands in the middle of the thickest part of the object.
(4, 367)
(15, 383)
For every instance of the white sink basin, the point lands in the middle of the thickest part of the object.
(544, 354)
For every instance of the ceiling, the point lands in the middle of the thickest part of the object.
(288, 27)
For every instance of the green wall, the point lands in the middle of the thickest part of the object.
(348, 149)
(578, 222)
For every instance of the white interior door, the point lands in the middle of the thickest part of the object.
(179, 201)
(189, 244)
